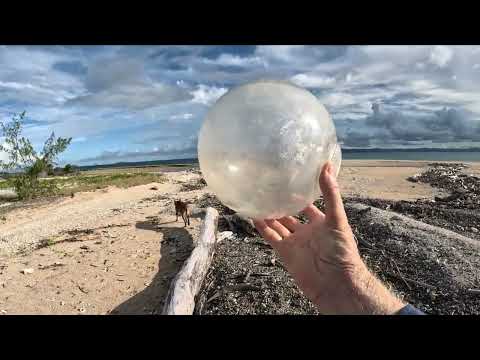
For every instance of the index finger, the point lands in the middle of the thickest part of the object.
(266, 231)
(312, 213)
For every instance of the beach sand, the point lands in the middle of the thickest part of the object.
(387, 179)
(115, 250)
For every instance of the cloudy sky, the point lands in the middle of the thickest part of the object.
(133, 103)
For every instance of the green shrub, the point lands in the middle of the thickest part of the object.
(28, 164)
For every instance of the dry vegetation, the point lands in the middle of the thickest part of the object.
(88, 181)
(92, 182)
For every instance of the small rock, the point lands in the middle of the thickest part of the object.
(3, 312)
(474, 229)
(84, 247)
(224, 235)
(97, 242)
(27, 271)
(62, 303)
(414, 178)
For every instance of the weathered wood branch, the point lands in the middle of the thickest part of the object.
(187, 283)
(404, 225)
(456, 253)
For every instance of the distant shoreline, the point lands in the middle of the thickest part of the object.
(424, 154)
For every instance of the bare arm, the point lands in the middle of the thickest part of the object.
(323, 258)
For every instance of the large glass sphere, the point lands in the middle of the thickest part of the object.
(262, 146)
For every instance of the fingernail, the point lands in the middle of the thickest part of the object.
(329, 168)
(331, 172)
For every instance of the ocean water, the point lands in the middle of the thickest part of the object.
(347, 154)
(467, 156)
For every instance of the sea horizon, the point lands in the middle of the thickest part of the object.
(425, 154)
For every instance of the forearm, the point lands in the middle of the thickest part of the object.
(364, 294)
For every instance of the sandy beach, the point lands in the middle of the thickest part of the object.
(115, 250)
(385, 179)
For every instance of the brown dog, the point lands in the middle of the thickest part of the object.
(182, 209)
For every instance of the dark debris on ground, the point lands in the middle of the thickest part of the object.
(247, 278)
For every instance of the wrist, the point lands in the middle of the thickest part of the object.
(357, 291)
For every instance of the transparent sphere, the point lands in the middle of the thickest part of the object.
(262, 146)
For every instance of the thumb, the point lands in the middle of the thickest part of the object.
(334, 210)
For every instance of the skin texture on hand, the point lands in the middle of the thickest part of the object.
(323, 258)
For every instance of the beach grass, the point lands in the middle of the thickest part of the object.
(89, 182)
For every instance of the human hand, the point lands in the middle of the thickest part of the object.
(323, 258)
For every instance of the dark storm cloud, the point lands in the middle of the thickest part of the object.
(172, 52)
(124, 83)
(387, 128)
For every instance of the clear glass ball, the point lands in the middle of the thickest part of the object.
(262, 146)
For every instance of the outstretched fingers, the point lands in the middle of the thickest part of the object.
(290, 223)
(267, 232)
(278, 227)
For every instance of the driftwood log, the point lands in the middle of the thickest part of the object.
(400, 224)
(456, 255)
(187, 283)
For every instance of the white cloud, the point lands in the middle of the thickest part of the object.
(313, 81)
(235, 60)
(186, 116)
(128, 92)
(207, 95)
(27, 75)
(79, 139)
(282, 53)
(441, 56)
(338, 99)
(180, 83)
(16, 85)
(134, 97)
